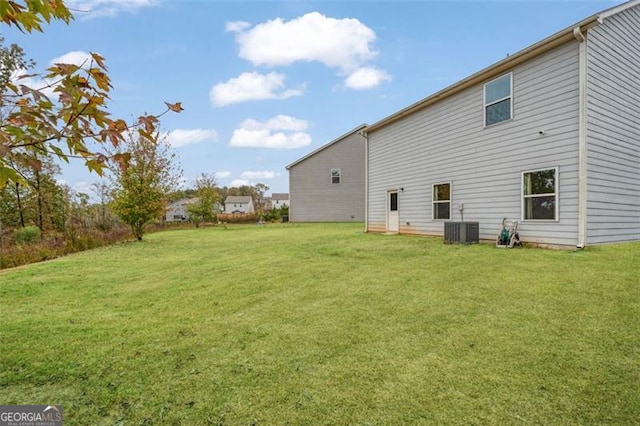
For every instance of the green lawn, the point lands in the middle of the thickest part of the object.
(323, 324)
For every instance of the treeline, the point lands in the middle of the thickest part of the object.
(53, 116)
(207, 200)
(42, 218)
(256, 192)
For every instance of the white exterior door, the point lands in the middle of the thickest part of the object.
(393, 216)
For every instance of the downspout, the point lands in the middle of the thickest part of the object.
(365, 135)
(582, 137)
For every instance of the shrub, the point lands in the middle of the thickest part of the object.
(272, 215)
(56, 244)
(238, 217)
(27, 235)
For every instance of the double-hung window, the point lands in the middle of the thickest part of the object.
(498, 100)
(442, 201)
(335, 176)
(540, 195)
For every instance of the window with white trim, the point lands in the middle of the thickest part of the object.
(335, 175)
(442, 201)
(498, 105)
(540, 194)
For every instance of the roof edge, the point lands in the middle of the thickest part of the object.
(617, 9)
(533, 51)
(244, 197)
(328, 144)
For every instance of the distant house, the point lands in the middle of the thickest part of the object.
(177, 211)
(328, 184)
(549, 136)
(238, 204)
(279, 200)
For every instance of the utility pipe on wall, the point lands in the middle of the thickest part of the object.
(366, 179)
(582, 137)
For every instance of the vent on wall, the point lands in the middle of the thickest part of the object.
(461, 232)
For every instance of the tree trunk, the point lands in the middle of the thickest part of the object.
(19, 205)
(138, 231)
(39, 198)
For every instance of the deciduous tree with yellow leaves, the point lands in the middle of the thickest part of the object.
(75, 122)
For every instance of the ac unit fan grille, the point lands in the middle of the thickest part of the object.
(461, 232)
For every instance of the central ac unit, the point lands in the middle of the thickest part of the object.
(461, 232)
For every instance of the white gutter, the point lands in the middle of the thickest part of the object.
(582, 137)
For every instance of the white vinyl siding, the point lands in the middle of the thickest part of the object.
(235, 204)
(486, 163)
(498, 100)
(312, 196)
(613, 129)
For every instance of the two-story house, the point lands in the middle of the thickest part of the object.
(279, 200)
(328, 184)
(549, 136)
(178, 211)
(238, 204)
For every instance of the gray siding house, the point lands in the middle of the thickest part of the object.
(549, 136)
(279, 200)
(238, 204)
(177, 211)
(328, 185)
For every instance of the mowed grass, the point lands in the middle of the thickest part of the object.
(324, 324)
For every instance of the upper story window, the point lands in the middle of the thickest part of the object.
(540, 195)
(442, 201)
(335, 175)
(498, 105)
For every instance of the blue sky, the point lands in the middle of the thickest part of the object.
(264, 83)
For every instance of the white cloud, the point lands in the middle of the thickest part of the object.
(243, 138)
(251, 86)
(366, 78)
(257, 175)
(84, 187)
(181, 137)
(45, 86)
(107, 8)
(236, 26)
(344, 44)
(222, 174)
(337, 43)
(281, 132)
(76, 57)
(239, 182)
(279, 122)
